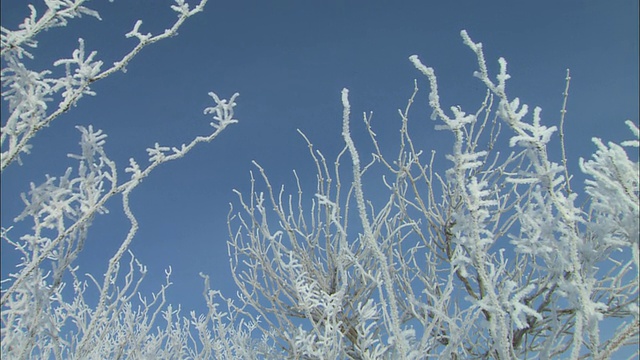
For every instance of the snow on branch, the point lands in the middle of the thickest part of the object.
(488, 257)
(29, 92)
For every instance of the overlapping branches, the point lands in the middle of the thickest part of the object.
(39, 319)
(29, 93)
(487, 259)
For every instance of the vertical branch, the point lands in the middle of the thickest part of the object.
(563, 113)
(369, 239)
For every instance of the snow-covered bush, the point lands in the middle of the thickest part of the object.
(489, 258)
(38, 321)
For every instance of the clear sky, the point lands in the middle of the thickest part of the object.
(289, 61)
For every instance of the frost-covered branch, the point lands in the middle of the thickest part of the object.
(30, 92)
(47, 310)
(489, 258)
(62, 211)
(479, 253)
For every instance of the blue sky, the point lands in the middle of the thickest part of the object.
(289, 61)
